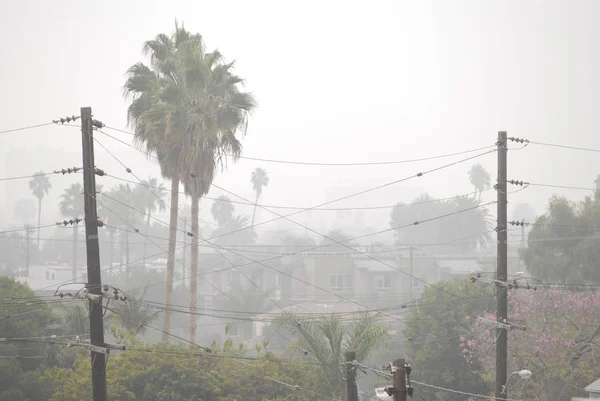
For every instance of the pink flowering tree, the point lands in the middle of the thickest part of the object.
(559, 343)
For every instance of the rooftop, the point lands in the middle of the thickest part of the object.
(594, 387)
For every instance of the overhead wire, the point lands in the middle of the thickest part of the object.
(216, 288)
(303, 208)
(25, 128)
(305, 163)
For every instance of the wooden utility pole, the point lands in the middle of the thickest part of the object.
(399, 376)
(351, 387)
(501, 270)
(94, 285)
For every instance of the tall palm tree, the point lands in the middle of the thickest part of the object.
(40, 186)
(152, 193)
(480, 178)
(155, 113)
(186, 110)
(259, 180)
(71, 206)
(217, 111)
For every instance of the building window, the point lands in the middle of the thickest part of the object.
(383, 282)
(47, 275)
(341, 282)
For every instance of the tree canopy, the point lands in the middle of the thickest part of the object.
(564, 244)
(434, 329)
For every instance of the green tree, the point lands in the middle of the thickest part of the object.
(71, 207)
(444, 218)
(472, 221)
(327, 341)
(480, 178)
(176, 373)
(153, 194)
(259, 180)
(23, 315)
(563, 243)
(435, 328)
(40, 186)
(222, 210)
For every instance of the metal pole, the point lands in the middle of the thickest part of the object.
(501, 270)
(93, 256)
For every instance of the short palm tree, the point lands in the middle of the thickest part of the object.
(71, 206)
(40, 186)
(328, 340)
(259, 180)
(133, 315)
(151, 193)
(480, 178)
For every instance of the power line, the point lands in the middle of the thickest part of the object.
(309, 163)
(562, 187)
(25, 128)
(26, 228)
(554, 145)
(461, 392)
(315, 208)
(208, 282)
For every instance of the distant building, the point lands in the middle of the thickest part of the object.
(46, 280)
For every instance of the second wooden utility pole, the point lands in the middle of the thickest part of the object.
(94, 285)
(351, 387)
(501, 271)
(399, 376)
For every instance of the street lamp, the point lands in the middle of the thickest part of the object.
(523, 374)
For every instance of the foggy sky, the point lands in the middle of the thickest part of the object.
(336, 81)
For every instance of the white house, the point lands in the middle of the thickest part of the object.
(594, 390)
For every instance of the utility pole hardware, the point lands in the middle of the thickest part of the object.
(94, 285)
(351, 387)
(501, 270)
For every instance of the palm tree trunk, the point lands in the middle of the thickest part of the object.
(74, 265)
(171, 255)
(127, 271)
(112, 247)
(194, 267)
(39, 222)
(146, 237)
(253, 214)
